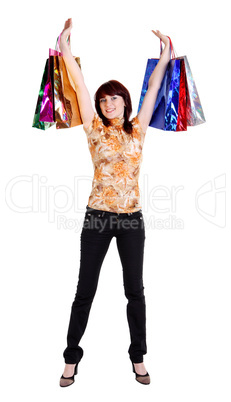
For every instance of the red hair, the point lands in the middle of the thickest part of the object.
(111, 88)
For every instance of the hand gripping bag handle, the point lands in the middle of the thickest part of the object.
(172, 52)
(57, 51)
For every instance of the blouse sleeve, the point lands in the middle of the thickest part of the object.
(137, 125)
(96, 121)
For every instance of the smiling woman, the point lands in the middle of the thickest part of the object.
(117, 100)
(115, 144)
(112, 106)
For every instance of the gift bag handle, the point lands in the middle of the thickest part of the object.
(172, 52)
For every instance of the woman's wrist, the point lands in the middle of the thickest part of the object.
(64, 47)
(166, 42)
(167, 48)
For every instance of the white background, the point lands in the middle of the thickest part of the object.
(186, 269)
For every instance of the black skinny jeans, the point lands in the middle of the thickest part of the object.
(99, 228)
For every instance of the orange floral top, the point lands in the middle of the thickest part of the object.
(116, 158)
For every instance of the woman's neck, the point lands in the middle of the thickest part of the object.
(117, 121)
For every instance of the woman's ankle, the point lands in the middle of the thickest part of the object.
(69, 370)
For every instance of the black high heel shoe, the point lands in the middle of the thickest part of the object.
(141, 378)
(66, 381)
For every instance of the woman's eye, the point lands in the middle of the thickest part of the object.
(114, 97)
(102, 100)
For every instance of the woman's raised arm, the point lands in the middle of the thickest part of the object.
(85, 105)
(146, 111)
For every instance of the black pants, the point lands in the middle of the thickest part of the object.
(99, 228)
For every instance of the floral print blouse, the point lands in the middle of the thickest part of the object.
(116, 158)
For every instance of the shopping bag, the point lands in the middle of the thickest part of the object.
(67, 113)
(36, 121)
(69, 94)
(45, 113)
(183, 95)
(177, 105)
(47, 106)
(57, 101)
(195, 114)
(158, 117)
(171, 112)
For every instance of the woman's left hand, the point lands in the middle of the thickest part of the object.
(164, 38)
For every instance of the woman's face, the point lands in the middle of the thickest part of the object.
(112, 106)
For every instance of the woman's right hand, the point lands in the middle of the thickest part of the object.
(65, 34)
(86, 109)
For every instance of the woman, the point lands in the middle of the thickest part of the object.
(113, 207)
